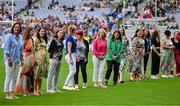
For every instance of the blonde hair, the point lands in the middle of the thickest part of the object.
(71, 29)
(102, 30)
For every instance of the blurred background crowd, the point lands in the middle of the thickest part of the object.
(90, 15)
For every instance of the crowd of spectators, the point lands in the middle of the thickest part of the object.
(90, 24)
(163, 8)
(5, 10)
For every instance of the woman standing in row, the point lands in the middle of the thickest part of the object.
(82, 50)
(137, 55)
(147, 40)
(24, 83)
(113, 56)
(41, 61)
(70, 57)
(124, 54)
(56, 52)
(13, 57)
(167, 61)
(156, 54)
(99, 54)
(176, 44)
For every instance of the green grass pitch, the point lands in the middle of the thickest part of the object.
(147, 92)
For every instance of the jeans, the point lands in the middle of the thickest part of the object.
(81, 64)
(54, 69)
(72, 69)
(11, 76)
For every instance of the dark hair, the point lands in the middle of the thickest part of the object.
(56, 36)
(167, 33)
(26, 34)
(12, 29)
(155, 34)
(116, 31)
(136, 33)
(45, 35)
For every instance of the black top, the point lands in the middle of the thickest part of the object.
(177, 45)
(156, 43)
(56, 49)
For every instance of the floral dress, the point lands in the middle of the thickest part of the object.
(125, 53)
(167, 60)
(41, 62)
(137, 54)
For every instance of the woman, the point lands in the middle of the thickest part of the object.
(56, 51)
(125, 53)
(13, 57)
(82, 50)
(147, 39)
(99, 54)
(113, 56)
(156, 54)
(167, 61)
(176, 44)
(41, 62)
(70, 57)
(137, 55)
(24, 83)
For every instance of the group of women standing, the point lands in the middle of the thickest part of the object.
(26, 60)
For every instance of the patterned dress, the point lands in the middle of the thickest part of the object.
(25, 79)
(125, 53)
(167, 61)
(41, 62)
(137, 54)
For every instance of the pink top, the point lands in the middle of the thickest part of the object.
(99, 47)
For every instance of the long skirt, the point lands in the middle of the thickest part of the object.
(25, 77)
(167, 61)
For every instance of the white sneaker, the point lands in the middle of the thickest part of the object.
(68, 88)
(50, 91)
(153, 77)
(170, 76)
(72, 88)
(164, 76)
(84, 85)
(76, 86)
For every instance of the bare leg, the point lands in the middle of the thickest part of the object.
(40, 83)
(121, 76)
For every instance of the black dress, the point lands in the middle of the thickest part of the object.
(155, 58)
